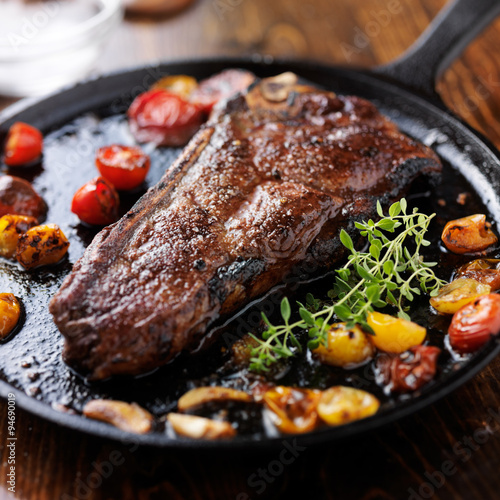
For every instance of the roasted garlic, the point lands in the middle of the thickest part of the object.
(127, 417)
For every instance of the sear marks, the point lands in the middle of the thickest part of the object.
(260, 192)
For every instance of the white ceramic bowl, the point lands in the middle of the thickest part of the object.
(46, 45)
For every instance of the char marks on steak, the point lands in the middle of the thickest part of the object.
(263, 189)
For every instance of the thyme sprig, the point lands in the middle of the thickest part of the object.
(389, 273)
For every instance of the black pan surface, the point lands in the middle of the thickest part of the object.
(78, 120)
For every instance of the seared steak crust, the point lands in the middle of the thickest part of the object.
(264, 187)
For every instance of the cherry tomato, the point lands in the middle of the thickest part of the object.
(24, 145)
(177, 84)
(474, 324)
(486, 271)
(96, 202)
(469, 234)
(409, 370)
(17, 197)
(125, 167)
(293, 410)
(221, 86)
(164, 118)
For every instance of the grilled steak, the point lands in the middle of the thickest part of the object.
(263, 189)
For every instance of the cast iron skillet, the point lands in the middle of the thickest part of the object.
(404, 90)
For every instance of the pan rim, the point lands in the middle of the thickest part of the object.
(355, 429)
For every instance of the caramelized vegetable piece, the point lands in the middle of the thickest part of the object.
(394, 334)
(201, 395)
(181, 85)
(474, 324)
(457, 294)
(346, 346)
(467, 235)
(409, 370)
(17, 197)
(24, 145)
(486, 271)
(340, 405)
(10, 312)
(41, 246)
(11, 228)
(125, 416)
(292, 410)
(199, 427)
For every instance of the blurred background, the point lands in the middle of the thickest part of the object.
(47, 44)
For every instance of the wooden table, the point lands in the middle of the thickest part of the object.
(450, 450)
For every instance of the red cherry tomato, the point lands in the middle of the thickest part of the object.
(409, 370)
(221, 86)
(24, 145)
(164, 118)
(96, 202)
(125, 167)
(474, 324)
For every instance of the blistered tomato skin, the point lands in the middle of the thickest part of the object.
(11, 228)
(10, 312)
(468, 235)
(486, 271)
(125, 167)
(474, 324)
(394, 335)
(408, 371)
(24, 145)
(292, 410)
(41, 246)
(96, 203)
(457, 294)
(164, 118)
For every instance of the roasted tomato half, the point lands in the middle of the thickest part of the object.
(164, 118)
(469, 234)
(293, 410)
(125, 167)
(24, 145)
(10, 312)
(486, 271)
(96, 203)
(221, 86)
(17, 197)
(474, 324)
(409, 370)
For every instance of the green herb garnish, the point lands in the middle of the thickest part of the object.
(387, 274)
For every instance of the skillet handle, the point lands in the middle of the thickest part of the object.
(441, 43)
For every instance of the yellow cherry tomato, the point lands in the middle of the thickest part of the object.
(346, 346)
(11, 228)
(457, 294)
(394, 335)
(41, 246)
(10, 312)
(340, 405)
(182, 85)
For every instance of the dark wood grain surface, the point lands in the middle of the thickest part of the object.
(450, 450)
